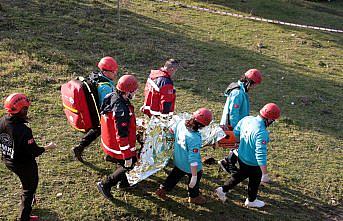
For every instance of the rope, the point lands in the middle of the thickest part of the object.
(250, 17)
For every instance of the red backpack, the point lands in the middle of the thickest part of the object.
(80, 103)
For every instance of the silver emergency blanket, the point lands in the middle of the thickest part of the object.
(158, 144)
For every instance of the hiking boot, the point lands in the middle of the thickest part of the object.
(77, 153)
(105, 191)
(34, 218)
(228, 166)
(256, 203)
(161, 193)
(221, 194)
(199, 200)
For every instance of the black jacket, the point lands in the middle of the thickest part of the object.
(16, 141)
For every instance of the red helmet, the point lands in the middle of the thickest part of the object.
(254, 75)
(270, 111)
(203, 116)
(127, 83)
(15, 102)
(108, 64)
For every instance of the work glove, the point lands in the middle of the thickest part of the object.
(265, 178)
(128, 163)
(193, 181)
(51, 145)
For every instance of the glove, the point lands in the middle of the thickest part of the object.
(51, 145)
(193, 181)
(265, 178)
(128, 163)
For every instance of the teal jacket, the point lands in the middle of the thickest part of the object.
(105, 86)
(236, 107)
(187, 147)
(253, 141)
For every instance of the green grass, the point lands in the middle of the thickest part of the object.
(45, 43)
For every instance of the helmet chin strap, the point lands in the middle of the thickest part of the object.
(247, 85)
(131, 95)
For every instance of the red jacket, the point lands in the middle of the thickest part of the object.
(159, 94)
(118, 127)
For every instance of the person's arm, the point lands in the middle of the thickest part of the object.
(30, 144)
(103, 90)
(121, 124)
(261, 155)
(234, 107)
(167, 93)
(194, 159)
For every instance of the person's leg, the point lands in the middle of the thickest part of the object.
(89, 137)
(254, 182)
(228, 164)
(236, 178)
(124, 183)
(173, 178)
(195, 191)
(28, 175)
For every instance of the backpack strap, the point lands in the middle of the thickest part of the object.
(231, 87)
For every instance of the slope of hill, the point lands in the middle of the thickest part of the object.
(45, 43)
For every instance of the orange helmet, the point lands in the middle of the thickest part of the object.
(203, 116)
(254, 75)
(108, 64)
(127, 83)
(270, 111)
(15, 102)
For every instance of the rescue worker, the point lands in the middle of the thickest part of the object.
(104, 80)
(186, 157)
(19, 150)
(118, 133)
(159, 91)
(252, 153)
(237, 106)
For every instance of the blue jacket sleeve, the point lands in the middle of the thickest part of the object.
(193, 147)
(261, 148)
(103, 90)
(237, 129)
(234, 107)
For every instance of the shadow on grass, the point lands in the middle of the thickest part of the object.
(141, 43)
(77, 34)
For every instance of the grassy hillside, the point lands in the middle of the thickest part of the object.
(45, 43)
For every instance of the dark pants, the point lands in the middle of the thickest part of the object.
(176, 175)
(254, 174)
(232, 158)
(28, 175)
(89, 137)
(119, 174)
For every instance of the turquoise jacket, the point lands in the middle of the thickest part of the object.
(236, 106)
(187, 147)
(253, 141)
(104, 88)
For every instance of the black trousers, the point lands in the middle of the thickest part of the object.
(28, 175)
(89, 137)
(254, 174)
(232, 158)
(175, 176)
(119, 174)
